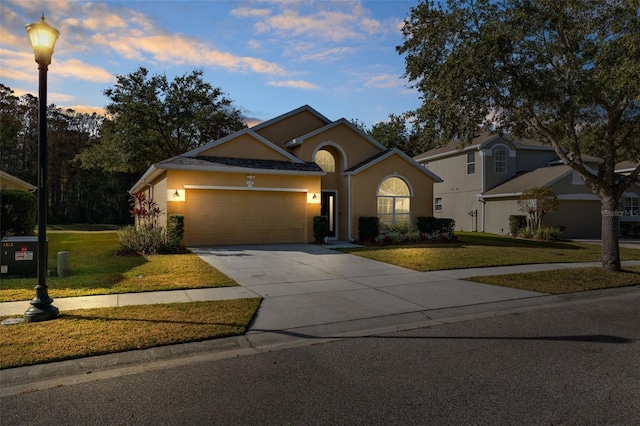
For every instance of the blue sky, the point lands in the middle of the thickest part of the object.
(269, 57)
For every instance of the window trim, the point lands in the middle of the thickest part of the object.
(471, 165)
(437, 204)
(394, 215)
(497, 161)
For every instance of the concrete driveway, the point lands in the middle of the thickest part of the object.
(308, 288)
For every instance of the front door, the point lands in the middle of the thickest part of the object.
(328, 208)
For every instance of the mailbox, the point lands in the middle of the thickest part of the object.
(19, 256)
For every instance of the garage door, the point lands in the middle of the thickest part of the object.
(220, 217)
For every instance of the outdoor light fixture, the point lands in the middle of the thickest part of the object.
(43, 38)
(312, 198)
(176, 194)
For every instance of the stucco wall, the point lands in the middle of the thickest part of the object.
(364, 186)
(287, 129)
(245, 146)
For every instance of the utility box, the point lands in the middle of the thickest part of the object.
(19, 256)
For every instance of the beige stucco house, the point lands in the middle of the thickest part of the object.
(8, 181)
(265, 184)
(482, 182)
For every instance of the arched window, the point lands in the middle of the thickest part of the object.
(394, 205)
(325, 160)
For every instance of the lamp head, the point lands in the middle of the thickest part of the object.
(43, 38)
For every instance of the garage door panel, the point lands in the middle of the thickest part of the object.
(217, 217)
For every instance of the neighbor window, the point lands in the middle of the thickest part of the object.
(631, 206)
(471, 163)
(394, 202)
(325, 160)
(438, 204)
(500, 159)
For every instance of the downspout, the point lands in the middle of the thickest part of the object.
(349, 208)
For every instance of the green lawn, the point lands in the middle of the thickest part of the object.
(95, 269)
(474, 250)
(565, 280)
(89, 332)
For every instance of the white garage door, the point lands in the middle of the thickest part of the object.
(220, 217)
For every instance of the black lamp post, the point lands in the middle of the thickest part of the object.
(43, 38)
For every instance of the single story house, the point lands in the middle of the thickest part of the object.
(265, 184)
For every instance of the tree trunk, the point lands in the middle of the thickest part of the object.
(609, 234)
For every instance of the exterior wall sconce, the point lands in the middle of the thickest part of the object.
(249, 182)
(313, 198)
(175, 195)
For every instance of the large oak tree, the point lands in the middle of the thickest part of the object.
(151, 118)
(566, 72)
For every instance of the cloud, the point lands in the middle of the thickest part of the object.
(326, 55)
(246, 12)
(352, 22)
(82, 71)
(384, 81)
(296, 84)
(87, 109)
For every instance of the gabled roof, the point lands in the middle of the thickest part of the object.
(290, 114)
(300, 139)
(250, 132)
(381, 156)
(541, 177)
(210, 163)
(481, 140)
(4, 176)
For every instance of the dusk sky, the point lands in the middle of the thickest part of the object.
(269, 57)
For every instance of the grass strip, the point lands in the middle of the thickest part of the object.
(88, 332)
(96, 270)
(568, 280)
(477, 250)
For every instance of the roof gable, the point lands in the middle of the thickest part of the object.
(338, 123)
(380, 157)
(243, 144)
(290, 125)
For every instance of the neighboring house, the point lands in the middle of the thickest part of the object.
(8, 181)
(483, 181)
(266, 183)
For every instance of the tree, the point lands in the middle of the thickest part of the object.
(538, 202)
(565, 72)
(396, 134)
(151, 119)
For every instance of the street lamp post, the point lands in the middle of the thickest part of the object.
(43, 38)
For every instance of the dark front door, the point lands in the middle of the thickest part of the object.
(328, 208)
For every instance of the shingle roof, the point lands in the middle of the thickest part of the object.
(248, 163)
(538, 177)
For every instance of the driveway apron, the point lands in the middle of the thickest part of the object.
(306, 285)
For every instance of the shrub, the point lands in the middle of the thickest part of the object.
(399, 227)
(525, 232)
(430, 224)
(175, 232)
(18, 213)
(147, 236)
(368, 228)
(516, 223)
(548, 233)
(320, 228)
(427, 224)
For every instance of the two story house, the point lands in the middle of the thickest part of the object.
(482, 182)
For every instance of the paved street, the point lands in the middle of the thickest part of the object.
(572, 363)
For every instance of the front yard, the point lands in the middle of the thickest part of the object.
(477, 250)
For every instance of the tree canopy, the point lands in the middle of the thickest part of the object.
(565, 72)
(151, 118)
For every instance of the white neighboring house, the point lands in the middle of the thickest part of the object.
(8, 181)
